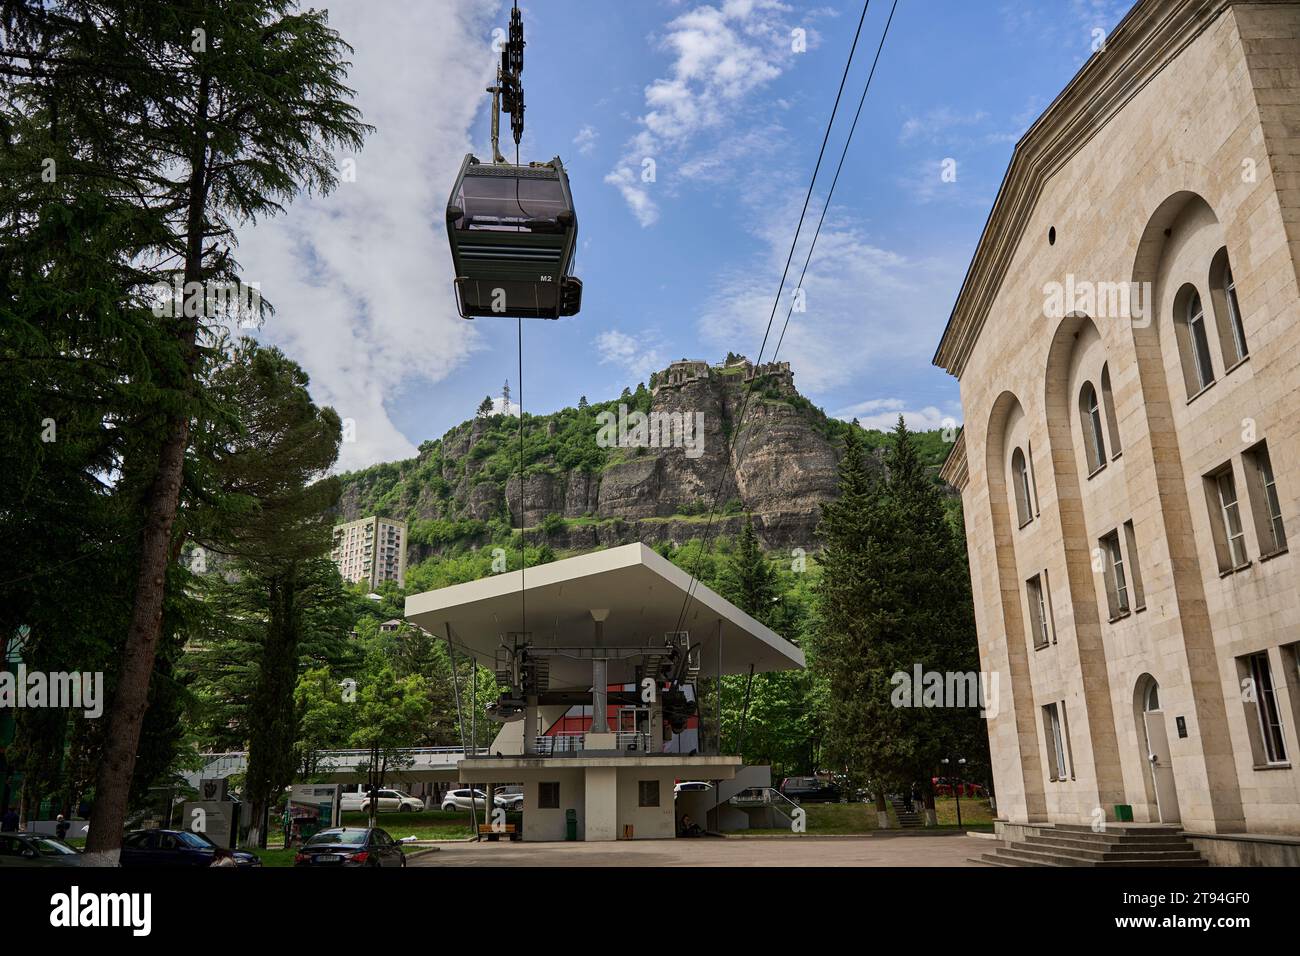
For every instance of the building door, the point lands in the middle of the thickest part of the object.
(1158, 758)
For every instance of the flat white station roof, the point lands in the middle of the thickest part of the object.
(643, 593)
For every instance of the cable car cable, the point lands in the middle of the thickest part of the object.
(744, 406)
(836, 178)
(830, 123)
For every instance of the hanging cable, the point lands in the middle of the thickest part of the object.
(736, 430)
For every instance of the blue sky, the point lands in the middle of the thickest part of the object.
(686, 266)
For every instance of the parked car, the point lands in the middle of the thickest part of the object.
(509, 798)
(460, 799)
(36, 849)
(943, 787)
(175, 848)
(388, 800)
(351, 846)
(691, 786)
(809, 790)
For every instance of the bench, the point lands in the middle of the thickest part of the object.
(493, 832)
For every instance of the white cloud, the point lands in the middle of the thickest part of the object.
(721, 54)
(882, 414)
(629, 353)
(500, 407)
(586, 140)
(868, 308)
(361, 279)
(937, 124)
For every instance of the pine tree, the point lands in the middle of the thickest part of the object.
(748, 580)
(239, 108)
(582, 403)
(894, 595)
(484, 407)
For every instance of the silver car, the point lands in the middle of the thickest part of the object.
(460, 799)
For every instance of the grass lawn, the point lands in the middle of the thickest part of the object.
(846, 818)
(428, 825)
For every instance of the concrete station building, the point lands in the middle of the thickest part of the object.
(612, 637)
(1128, 345)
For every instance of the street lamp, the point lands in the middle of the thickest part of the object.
(961, 762)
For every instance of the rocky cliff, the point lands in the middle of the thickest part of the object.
(647, 466)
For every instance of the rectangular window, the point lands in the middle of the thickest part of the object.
(1265, 504)
(1130, 543)
(1261, 697)
(1065, 729)
(1040, 619)
(1117, 596)
(647, 794)
(1056, 759)
(1230, 515)
(548, 796)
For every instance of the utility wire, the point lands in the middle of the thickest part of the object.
(830, 123)
(735, 434)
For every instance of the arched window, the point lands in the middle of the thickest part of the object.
(1093, 436)
(1223, 290)
(1023, 486)
(1193, 340)
(1108, 402)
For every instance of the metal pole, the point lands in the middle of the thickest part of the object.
(717, 704)
(460, 722)
(744, 713)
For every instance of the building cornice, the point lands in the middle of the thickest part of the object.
(1149, 37)
(955, 469)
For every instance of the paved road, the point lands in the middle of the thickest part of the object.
(785, 851)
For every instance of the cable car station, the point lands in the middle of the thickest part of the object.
(612, 696)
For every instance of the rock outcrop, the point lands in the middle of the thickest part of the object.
(659, 485)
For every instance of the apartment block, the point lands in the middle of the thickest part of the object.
(371, 549)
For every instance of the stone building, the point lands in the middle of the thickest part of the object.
(1127, 341)
(680, 373)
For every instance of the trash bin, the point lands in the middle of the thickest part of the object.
(1124, 813)
(570, 824)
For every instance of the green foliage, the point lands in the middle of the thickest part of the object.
(894, 594)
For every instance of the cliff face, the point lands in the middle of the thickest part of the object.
(658, 486)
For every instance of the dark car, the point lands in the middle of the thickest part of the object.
(351, 846)
(175, 848)
(809, 790)
(35, 849)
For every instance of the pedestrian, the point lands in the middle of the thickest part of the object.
(9, 823)
(61, 828)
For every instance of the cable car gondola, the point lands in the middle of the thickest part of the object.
(512, 228)
(513, 234)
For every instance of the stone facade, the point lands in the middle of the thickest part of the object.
(1098, 436)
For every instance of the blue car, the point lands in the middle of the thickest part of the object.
(175, 848)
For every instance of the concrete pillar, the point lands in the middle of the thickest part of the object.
(599, 678)
(530, 725)
(599, 695)
(601, 803)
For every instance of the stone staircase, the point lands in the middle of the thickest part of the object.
(907, 819)
(1078, 845)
